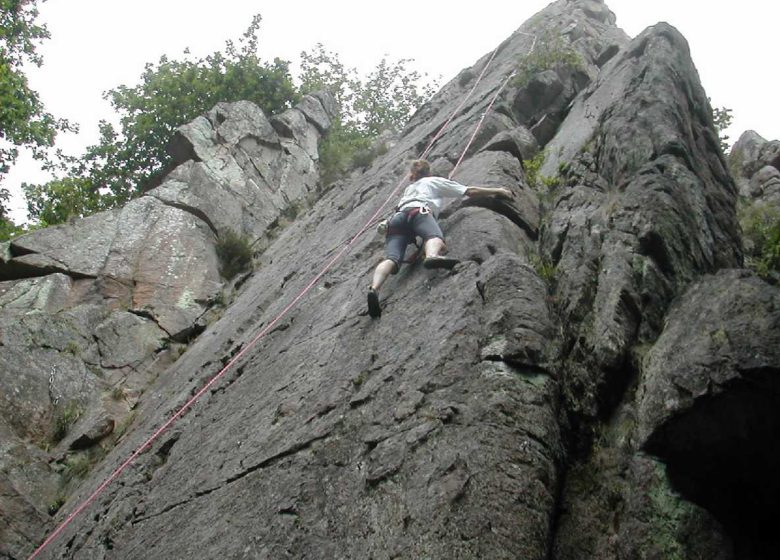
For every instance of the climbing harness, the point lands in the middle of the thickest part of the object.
(371, 222)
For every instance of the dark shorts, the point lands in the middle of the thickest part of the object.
(402, 230)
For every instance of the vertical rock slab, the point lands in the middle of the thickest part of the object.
(645, 205)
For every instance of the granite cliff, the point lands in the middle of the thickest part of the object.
(597, 378)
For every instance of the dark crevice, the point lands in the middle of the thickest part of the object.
(507, 146)
(721, 454)
(521, 366)
(165, 449)
(505, 210)
(263, 464)
(163, 511)
(678, 150)
(776, 162)
(273, 459)
(481, 290)
(17, 251)
(145, 314)
(181, 149)
(190, 210)
(652, 245)
(16, 270)
(189, 334)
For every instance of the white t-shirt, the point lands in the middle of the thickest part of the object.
(431, 192)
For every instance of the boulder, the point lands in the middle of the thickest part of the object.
(765, 184)
(707, 402)
(749, 160)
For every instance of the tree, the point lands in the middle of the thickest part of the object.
(722, 119)
(170, 93)
(131, 156)
(24, 121)
(62, 199)
(7, 227)
(383, 101)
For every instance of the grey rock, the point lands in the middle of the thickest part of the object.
(765, 184)
(500, 169)
(87, 307)
(749, 157)
(126, 340)
(49, 294)
(747, 148)
(708, 399)
(78, 249)
(95, 431)
(316, 113)
(597, 10)
(643, 210)
(517, 141)
(491, 412)
(27, 488)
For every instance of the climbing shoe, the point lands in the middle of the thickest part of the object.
(440, 262)
(373, 303)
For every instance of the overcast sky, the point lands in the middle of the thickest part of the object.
(97, 45)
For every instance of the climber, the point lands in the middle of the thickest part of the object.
(415, 216)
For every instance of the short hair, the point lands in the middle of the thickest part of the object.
(420, 169)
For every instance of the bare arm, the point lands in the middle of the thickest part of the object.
(500, 192)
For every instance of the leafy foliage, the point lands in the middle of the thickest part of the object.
(7, 228)
(131, 155)
(235, 254)
(722, 119)
(533, 176)
(23, 118)
(63, 420)
(172, 93)
(551, 51)
(382, 101)
(62, 199)
(761, 236)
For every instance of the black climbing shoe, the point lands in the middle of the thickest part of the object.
(373, 304)
(440, 262)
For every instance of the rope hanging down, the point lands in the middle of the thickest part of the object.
(330, 264)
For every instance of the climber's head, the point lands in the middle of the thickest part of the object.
(420, 168)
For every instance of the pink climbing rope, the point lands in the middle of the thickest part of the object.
(479, 124)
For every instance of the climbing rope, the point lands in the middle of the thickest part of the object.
(479, 124)
(330, 264)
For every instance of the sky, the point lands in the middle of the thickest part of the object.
(96, 45)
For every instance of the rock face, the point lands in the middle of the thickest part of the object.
(755, 163)
(558, 394)
(90, 312)
(709, 398)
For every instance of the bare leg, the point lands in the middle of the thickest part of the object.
(383, 270)
(434, 247)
